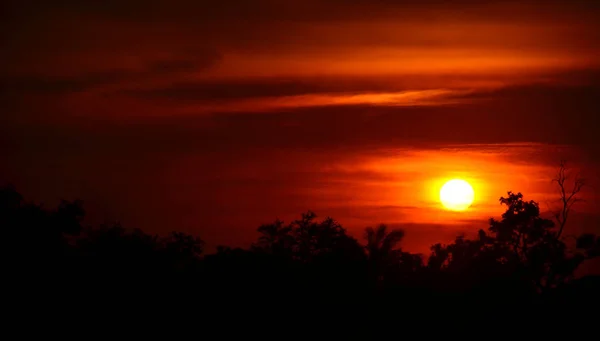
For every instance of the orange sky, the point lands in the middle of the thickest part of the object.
(215, 118)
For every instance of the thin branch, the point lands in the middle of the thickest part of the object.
(567, 197)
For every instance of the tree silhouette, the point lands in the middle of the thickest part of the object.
(306, 239)
(323, 239)
(276, 239)
(385, 259)
(520, 259)
(529, 241)
(182, 250)
(522, 247)
(380, 242)
(567, 196)
(38, 240)
(589, 243)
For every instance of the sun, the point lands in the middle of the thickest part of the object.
(457, 195)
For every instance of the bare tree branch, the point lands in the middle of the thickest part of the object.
(568, 197)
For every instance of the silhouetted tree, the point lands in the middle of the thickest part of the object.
(385, 259)
(276, 239)
(323, 239)
(381, 243)
(112, 252)
(182, 250)
(37, 239)
(303, 264)
(589, 243)
(522, 247)
(306, 239)
(567, 196)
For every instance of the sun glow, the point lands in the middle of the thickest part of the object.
(457, 195)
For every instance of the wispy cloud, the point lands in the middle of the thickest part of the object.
(401, 99)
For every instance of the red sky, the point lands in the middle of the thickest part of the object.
(215, 117)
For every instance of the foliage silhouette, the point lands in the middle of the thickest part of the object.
(520, 259)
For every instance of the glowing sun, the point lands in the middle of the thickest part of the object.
(457, 195)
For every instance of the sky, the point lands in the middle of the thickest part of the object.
(213, 117)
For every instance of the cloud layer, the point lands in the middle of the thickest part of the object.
(203, 112)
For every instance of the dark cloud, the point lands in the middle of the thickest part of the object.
(258, 88)
(287, 9)
(536, 114)
(75, 37)
(168, 66)
(56, 85)
(539, 113)
(567, 84)
(45, 84)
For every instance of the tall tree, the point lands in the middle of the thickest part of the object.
(383, 252)
(381, 242)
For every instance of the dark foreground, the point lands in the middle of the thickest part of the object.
(518, 267)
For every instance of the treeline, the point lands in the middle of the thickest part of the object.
(519, 259)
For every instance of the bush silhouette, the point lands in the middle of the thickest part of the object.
(520, 259)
